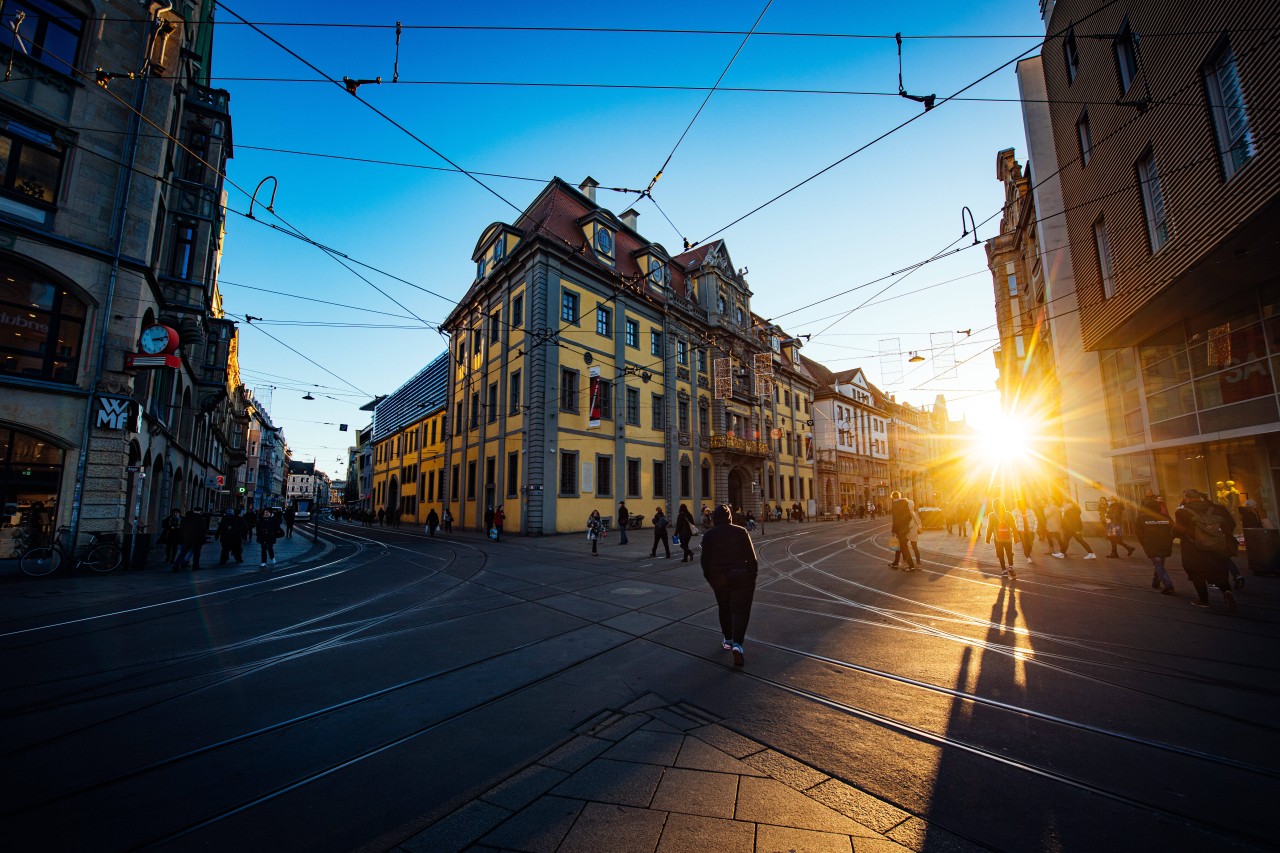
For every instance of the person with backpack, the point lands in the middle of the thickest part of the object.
(595, 529)
(1025, 522)
(1001, 526)
(1202, 529)
(1155, 535)
(900, 514)
(1114, 518)
(660, 525)
(684, 533)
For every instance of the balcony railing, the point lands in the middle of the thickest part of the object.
(739, 445)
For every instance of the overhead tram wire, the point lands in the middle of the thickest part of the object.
(354, 387)
(902, 125)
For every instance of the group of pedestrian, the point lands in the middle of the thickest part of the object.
(184, 535)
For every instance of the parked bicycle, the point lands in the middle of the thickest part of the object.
(103, 555)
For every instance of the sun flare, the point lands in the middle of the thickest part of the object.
(1004, 441)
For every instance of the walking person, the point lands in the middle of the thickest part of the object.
(1025, 522)
(900, 516)
(268, 533)
(447, 518)
(660, 524)
(624, 519)
(730, 566)
(1155, 535)
(231, 537)
(1073, 529)
(171, 535)
(488, 520)
(1115, 528)
(1001, 526)
(192, 533)
(499, 518)
(913, 532)
(247, 522)
(1203, 529)
(433, 522)
(1053, 529)
(684, 533)
(290, 516)
(595, 527)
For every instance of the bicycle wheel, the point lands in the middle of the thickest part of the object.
(40, 561)
(103, 558)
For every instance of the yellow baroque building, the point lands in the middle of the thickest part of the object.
(589, 366)
(409, 444)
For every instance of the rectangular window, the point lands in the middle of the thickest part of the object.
(475, 409)
(686, 481)
(604, 476)
(1126, 57)
(1104, 259)
(786, 399)
(1153, 202)
(704, 420)
(659, 479)
(682, 353)
(1085, 136)
(517, 311)
(492, 405)
(1013, 285)
(513, 474)
(633, 406)
(494, 320)
(655, 342)
(633, 334)
(604, 322)
(1071, 54)
(659, 415)
(453, 482)
(182, 257)
(702, 361)
(47, 33)
(1230, 117)
(490, 473)
(513, 394)
(568, 473)
(431, 485)
(569, 306)
(471, 481)
(633, 478)
(457, 419)
(706, 483)
(606, 400)
(682, 413)
(568, 390)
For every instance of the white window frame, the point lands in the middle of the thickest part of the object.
(1227, 106)
(1105, 267)
(1158, 228)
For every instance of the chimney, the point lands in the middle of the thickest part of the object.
(588, 187)
(629, 217)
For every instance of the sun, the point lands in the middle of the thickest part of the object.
(1004, 441)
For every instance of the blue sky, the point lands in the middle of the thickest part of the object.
(890, 206)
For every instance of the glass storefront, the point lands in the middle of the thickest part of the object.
(30, 485)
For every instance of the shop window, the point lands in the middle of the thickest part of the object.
(41, 326)
(30, 485)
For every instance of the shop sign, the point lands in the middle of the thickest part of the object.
(114, 413)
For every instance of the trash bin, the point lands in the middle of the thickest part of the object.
(1262, 545)
(931, 517)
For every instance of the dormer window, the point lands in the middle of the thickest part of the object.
(604, 241)
(658, 275)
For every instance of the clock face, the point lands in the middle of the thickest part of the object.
(154, 339)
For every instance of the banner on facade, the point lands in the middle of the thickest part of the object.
(723, 378)
(593, 419)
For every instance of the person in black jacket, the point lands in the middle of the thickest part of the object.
(624, 518)
(193, 530)
(171, 535)
(231, 537)
(1204, 561)
(730, 566)
(268, 533)
(900, 514)
(660, 525)
(684, 530)
(1155, 535)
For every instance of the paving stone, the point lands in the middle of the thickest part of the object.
(582, 607)
(671, 718)
(539, 828)
(606, 781)
(575, 754)
(787, 770)
(525, 787)
(876, 845)
(693, 712)
(784, 839)
(620, 729)
(648, 702)
(915, 834)
(636, 623)
(697, 792)
(645, 747)
(685, 832)
(770, 801)
(696, 755)
(727, 741)
(658, 726)
(458, 830)
(859, 805)
(617, 829)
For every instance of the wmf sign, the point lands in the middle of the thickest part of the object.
(114, 413)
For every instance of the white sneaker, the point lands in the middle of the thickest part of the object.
(273, 561)
(1091, 556)
(264, 565)
(1059, 555)
(1029, 560)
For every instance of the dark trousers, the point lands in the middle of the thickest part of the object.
(622, 529)
(171, 551)
(192, 551)
(268, 550)
(1075, 537)
(660, 536)
(498, 528)
(593, 545)
(904, 549)
(1202, 586)
(1028, 539)
(734, 605)
(232, 547)
(1004, 551)
(288, 529)
(684, 546)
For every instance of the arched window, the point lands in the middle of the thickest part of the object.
(41, 325)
